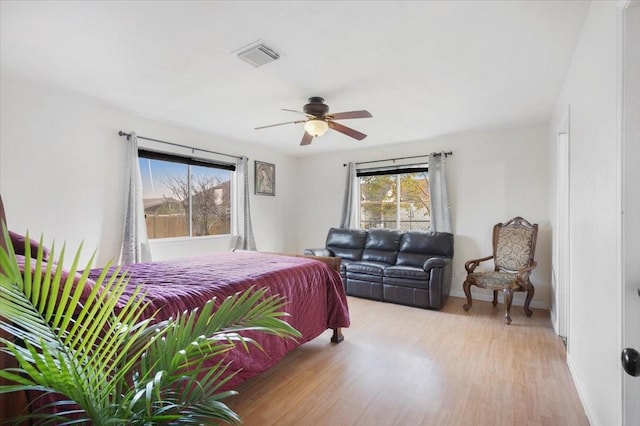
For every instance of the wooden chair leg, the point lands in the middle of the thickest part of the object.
(495, 298)
(508, 295)
(466, 286)
(530, 292)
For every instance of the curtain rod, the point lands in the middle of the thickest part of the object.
(128, 135)
(446, 154)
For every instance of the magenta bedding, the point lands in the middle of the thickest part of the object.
(315, 295)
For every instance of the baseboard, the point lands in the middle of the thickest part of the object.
(579, 388)
(518, 299)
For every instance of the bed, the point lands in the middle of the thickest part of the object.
(313, 289)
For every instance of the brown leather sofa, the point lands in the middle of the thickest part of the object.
(410, 268)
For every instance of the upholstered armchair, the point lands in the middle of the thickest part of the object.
(514, 245)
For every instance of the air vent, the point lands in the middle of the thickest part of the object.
(257, 54)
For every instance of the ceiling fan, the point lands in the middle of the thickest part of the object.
(319, 120)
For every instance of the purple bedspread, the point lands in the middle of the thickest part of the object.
(315, 295)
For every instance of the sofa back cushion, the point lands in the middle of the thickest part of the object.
(418, 246)
(346, 243)
(382, 246)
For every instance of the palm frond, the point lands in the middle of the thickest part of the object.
(71, 337)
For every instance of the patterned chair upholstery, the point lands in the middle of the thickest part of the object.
(514, 246)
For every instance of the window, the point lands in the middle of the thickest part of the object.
(395, 199)
(185, 197)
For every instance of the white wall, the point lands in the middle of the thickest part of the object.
(493, 176)
(62, 165)
(61, 175)
(594, 320)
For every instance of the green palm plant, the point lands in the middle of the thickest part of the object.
(111, 366)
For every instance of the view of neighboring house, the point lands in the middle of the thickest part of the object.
(167, 217)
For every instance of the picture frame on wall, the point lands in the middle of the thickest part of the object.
(264, 178)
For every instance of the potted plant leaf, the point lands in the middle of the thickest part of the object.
(105, 363)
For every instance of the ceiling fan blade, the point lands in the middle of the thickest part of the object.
(350, 114)
(299, 112)
(306, 139)
(280, 124)
(346, 130)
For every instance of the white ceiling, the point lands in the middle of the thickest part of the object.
(422, 68)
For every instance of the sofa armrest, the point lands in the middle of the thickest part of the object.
(440, 271)
(324, 252)
(435, 262)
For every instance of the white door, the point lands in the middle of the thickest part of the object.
(630, 88)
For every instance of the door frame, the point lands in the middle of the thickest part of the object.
(562, 237)
(628, 151)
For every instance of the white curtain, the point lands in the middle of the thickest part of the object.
(244, 230)
(135, 243)
(438, 193)
(346, 220)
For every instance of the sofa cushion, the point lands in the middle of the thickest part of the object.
(382, 246)
(418, 246)
(410, 272)
(344, 264)
(369, 268)
(361, 277)
(406, 276)
(405, 282)
(346, 243)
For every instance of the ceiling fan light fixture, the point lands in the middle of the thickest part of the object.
(318, 120)
(316, 127)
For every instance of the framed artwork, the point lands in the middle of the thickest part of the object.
(265, 178)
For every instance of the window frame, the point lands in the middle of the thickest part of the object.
(381, 171)
(190, 160)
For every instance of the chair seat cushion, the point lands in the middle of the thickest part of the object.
(495, 280)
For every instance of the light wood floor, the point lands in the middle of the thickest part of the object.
(407, 366)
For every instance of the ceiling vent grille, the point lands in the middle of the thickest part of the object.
(257, 54)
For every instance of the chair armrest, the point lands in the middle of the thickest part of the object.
(324, 252)
(523, 273)
(470, 265)
(435, 262)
